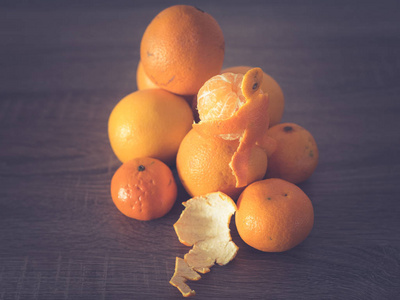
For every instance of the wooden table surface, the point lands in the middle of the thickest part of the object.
(64, 66)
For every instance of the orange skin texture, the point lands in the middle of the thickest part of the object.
(144, 189)
(203, 165)
(181, 48)
(250, 121)
(274, 215)
(270, 87)
(296, 155)
(149, 122)
(142, 80)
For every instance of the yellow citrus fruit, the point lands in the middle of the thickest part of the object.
(181, 48)
(203, 165)
(149, 122)
(274, 215)
(269, 86)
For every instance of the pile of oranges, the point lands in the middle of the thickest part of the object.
(219, 128)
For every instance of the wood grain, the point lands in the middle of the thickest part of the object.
(63, 67)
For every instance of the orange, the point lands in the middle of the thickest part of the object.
(233, 107)
(181, 48)
(296, 155)
(149, 122)
(203, 165)
(144, 189)
(272, 88)
(142, 80)
(274, 215)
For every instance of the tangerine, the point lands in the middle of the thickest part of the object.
(144, 189)
(296, 154)
(274, 215)
(232, 107)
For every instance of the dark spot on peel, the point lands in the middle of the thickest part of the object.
(141, 168)
(149, 53)
(287, 128)
(311, 153)
(255, 86)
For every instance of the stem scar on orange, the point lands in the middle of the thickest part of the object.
(234, 107)
(144, 189)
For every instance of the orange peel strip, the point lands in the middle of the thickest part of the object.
(250, 122)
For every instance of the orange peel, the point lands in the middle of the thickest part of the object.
(182, 274)
(248, 122)
(204, 224)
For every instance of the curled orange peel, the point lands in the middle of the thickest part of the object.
(204, 224)
(249, 124)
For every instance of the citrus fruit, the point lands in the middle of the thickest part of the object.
(149, 122)
(144, 189)
(142, 80)
(203, 165)
(274, 215)
(204, 224)
(269, 86)
(233, 107)
(181, 48)
(296, 155)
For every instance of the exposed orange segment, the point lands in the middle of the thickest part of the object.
(247, 121)
(220, 97)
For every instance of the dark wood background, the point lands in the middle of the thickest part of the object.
(63, 67)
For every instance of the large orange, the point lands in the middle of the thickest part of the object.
(274, 215)
(149, 122)
(203, 165)
(272, 88)
(296, 155)
(144, 189)
(181, 48)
